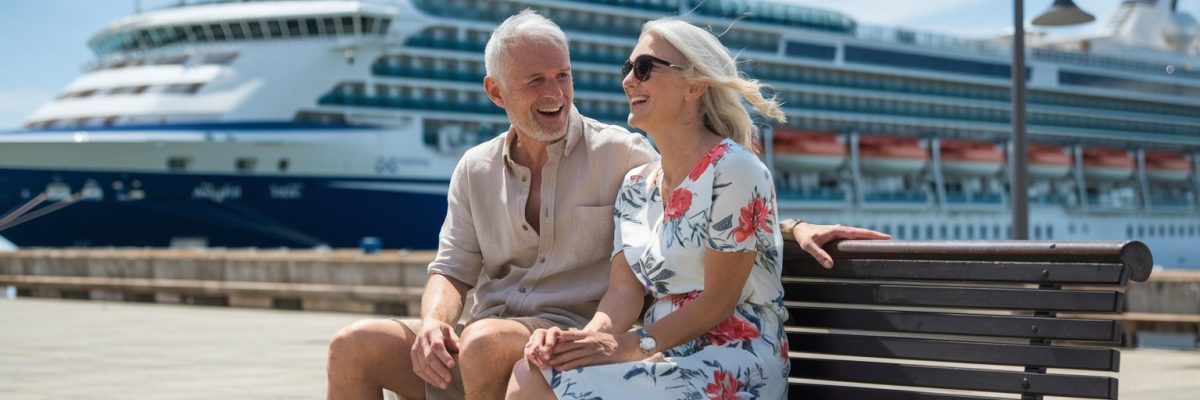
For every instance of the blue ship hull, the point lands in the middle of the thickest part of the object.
(150, 209)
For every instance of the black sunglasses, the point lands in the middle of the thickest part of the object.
(642, 65)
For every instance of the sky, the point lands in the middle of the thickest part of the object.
(43, 41)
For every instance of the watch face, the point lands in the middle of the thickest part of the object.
(647, 344)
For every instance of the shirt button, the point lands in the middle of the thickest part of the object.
(522, 290)
(523, 179)
(542, 260)
(524, 227)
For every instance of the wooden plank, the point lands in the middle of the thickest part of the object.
(1093, 387)
(807, 391)
(1132, 254)
(964, 271)
(1096, 359)
(951, 296)
(956, 324)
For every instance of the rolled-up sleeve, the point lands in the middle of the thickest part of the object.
(459, 255)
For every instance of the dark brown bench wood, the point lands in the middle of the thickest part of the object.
(958, 319)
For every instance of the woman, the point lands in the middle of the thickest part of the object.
(696, 231)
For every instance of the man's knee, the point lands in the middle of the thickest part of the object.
(367, 337)
(493, 338)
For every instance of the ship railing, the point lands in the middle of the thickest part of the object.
(1160, 68)
(891, 35)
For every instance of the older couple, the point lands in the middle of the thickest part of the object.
(530, 218)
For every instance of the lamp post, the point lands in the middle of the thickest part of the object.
(1062, 12)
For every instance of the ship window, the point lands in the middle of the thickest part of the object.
(219, 58)
(1128, 231)
(809, 50)
(312, 27)
(183, 88)
(329, 27)
(1141, 231)
(1191, 231)
(1171, 231)
(198, 33)
(245, 164)
(178, 163)
(348, 24)
(218, 33)
(293, 28)
(1049, 232)
(283, 164)
(368, 25)
(958, 232)
(944, 232)
(256, 30)
(235, 30)
(383, 24)
(275, 29)
(177, 59)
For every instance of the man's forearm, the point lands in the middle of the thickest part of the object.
(443, 299)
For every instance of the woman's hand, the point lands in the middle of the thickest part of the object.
(541, 345)
(583, 348)
(812, 237)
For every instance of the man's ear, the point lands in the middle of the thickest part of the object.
(492, 87)
(695, 89)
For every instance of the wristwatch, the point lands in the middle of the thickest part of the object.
(646, 343)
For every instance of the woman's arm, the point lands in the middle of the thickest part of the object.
(725, 274)
(622, 301)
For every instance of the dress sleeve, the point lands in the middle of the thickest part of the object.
(630, 233)
(743, 205)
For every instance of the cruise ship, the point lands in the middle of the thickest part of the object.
(321, 123)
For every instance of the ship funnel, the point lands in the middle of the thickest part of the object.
(1063, 12)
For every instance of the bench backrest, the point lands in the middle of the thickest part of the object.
(958, 319)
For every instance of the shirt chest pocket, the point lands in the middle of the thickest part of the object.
(590, 234)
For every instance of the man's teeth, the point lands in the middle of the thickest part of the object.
(550, 110)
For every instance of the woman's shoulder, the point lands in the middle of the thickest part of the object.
(641, 173)
(738, 160)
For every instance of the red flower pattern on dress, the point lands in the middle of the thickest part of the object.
(681, 201)
(682, 299)
(783, 350)
(754, 216)
(635, 178)
(724, 386)
(732, 330)
(709, 160)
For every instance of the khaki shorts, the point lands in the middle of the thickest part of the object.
(455, 390)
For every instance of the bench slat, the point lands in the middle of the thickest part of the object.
(965, 271)
(1095, 387)
(956, 324)
(956, 351)
(943, 296)
(808, 391)
(1133, 254)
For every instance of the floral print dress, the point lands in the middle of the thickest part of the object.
(726, 203)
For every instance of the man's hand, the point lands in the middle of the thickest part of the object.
(811, 237)
(541, 346)
(431, 359)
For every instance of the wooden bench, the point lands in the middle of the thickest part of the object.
(943, 320)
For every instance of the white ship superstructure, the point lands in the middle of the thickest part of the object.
(303, 123)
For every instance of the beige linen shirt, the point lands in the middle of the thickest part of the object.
(560, 273)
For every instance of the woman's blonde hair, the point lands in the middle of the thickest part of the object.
(707, 60)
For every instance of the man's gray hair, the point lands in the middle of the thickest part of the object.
(525, 25)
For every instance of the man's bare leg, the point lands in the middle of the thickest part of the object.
(527, 383)
(369, 356)
(490, 347)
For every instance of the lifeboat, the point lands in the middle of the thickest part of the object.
(1167, 166)
(967, 158)
(1048, 162)
(808, 151)
(1107, 164)
(889, 155)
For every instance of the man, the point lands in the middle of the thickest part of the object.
(529, 226)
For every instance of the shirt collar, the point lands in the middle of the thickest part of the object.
(574, 135)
